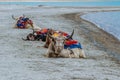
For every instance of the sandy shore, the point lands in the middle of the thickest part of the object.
(21, 60)
(100, 38)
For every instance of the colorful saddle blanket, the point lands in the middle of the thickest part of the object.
(60, 33)
(42, 31)
(70, 44)
(22, 22)
(41, 34)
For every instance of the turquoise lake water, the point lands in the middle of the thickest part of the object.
(106, 3)
(108, 21)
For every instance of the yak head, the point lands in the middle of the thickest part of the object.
(30, 37)
(58, 42)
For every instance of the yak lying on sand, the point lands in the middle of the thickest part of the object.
(25, 23)
(56, 48)
(39, 35)
(33, 37)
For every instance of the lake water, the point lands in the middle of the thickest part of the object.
(106, 3)
(108, 21)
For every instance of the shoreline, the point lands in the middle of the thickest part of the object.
(98, 25)
(106, 42)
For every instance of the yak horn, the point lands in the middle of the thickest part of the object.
(14, 17)
(24, 39)
(26, 16)
(72, 34)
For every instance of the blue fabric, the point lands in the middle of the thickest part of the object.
(78, 45)
(19, 25)
(25, 19)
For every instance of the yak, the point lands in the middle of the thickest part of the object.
(56, 48)
(24, 23)
(37, 35)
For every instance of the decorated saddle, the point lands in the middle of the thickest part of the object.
(42, 31)
(70, 44)
(22, 22)
(60, 33)
(41, 34)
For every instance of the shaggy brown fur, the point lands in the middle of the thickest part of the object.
(48, 39)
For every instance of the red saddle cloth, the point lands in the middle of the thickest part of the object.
(43, 31)
(65, 34)
(70, 42)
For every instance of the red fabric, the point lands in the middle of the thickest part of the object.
(44, 30)
(65, 34)
(70, 42)
(38, 32)
(24, 23)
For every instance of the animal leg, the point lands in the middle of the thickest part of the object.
(82, 54)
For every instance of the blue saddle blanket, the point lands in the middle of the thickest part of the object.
(78, 45)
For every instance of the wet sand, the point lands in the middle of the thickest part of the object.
(24, 60)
